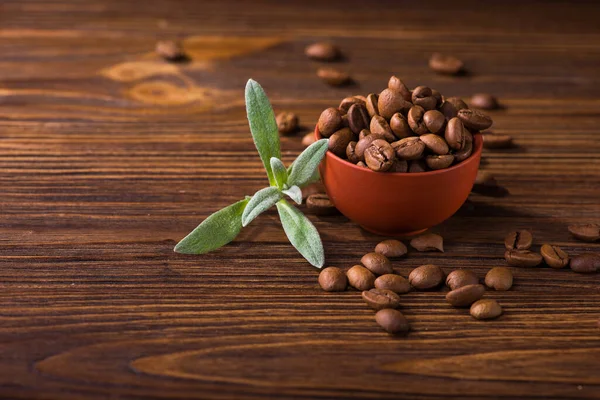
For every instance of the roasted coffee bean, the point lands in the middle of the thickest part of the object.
(358, 118)
(484, 101)
(371, 105)
(345, 123)
(455, 134)
(399, 86)
(444, 64)
(349, 101)
(364, 143)
(428, 242)
(585, 232)
(308, 139)
(362, 165)
(322, 51)
(364, 133)
(393, 282)
(329, 121)
(351, 153)
(380, 126)
(170, 50)
(451, 106)
(417, 166)
(474, 119)
(400, 127)
(438, 97)
(287, 122)
(320, 204)
(499, 278)
(391, 102)
(333, 279)
(360, 278)
(378, 299)
(339, 141)
(439, 162)
(410, 148)
(467, 148)
(434, 143)
(485, 178)
(391, 248)
(485, 309)
(522, 258)
(399, 166)
(493, 141)
(554, 256)
(423, 96)
(465, 296)
(415, 120)
(426, 277)
(519, 240)
(586, 263)
(434, 121)
(333, 77)
(461, 277)
(379, 156)
(392, 321)
(377, 263)
(313, 188)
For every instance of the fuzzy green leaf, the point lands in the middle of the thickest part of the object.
(215, 231)
(295, 193)
(307, 162)
(279, 172)
(260, 202)
(262, 125)
(302, 233)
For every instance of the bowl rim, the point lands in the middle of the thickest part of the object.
(477, 140)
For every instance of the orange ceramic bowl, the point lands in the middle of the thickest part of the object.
(398, 204)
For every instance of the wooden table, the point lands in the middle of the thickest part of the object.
(109, 156)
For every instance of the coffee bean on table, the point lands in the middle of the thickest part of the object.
(397, 85)
(380, 126)
(499, 278)
(333, 77)
(378, 299)
(415, 120)
(170, 50)
(360, 278)
(333, 279)
(455, 134)
(426, 277)
(287, 122)
(358, 118)
(436, 144)
(393, 282)
(312, 188)
(308, 139)
(399, 126)
(485, 309)
(451, 106)
(484, 101)
(520, 240)
(399, 166)
(339, 141)
(410, 148)
(493, 141)
(351, 153)
(465, 296)
(485, 178)
(391, 248)
(434, 121)
(554, 256)
(439, 162)
(391, 102)
(474, 119)
(371, 105)
(423, 96)
(393, 321)
(329, 121)
(444, 64)
(320, 204)
(377, 263)
(586, 263)
(428, 242)
(461, 277)
(349, 101)
(585, 232)
(417, 166)
(522, 258)
(322, 51)
(379, 156)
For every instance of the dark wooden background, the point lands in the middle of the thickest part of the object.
(109, 156)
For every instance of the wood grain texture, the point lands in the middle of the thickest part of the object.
(109, 156)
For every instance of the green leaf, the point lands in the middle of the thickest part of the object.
(302, 233)
(295, 194)
(262, 125)
(260, 202)
(279, 172)
(215, 231)
(307, 162)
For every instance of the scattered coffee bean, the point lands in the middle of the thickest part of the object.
(397, 85)
(333, 77)
(379, 156)
(371, 105)
(358, 118)
(519, 240)
(417, 166)
(378, 299)
(308, 139)
(499, 278)
(428, 242)
(391, 102)
(465, 296)
(522, 258)
(377, 263)
(322, 51)
(439, 162)
(434, 143)
(313, 188)
(451, 106)
(392, 321)
(474, 119)
(329, 121)
(333, 279)
(360, 278)
(379, 126)
(434, 121)
(554, 256)
(351, 153)
(339, 141)
(170, 50)
(410, 148)
(461, 277)
(484, 101)
(415, 120)
(585, 232)
(391, 248)
(423, 96)
(399, 166)
(586, 263)
(393, 282)
(320, 204)
(399, 126)
(493, 141)
(485, 309)
(287, 123)
(444, 64)
(349, 101)
(485, 178)
(426, 277)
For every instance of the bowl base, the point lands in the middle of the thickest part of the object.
(394, 234)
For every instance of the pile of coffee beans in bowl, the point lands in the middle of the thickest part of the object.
(402, 130)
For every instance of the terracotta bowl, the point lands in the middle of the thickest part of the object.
(398, 204)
